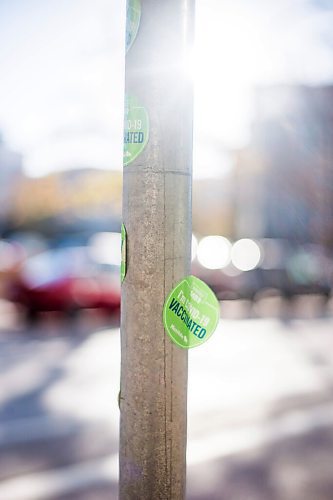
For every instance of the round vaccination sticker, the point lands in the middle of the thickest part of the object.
(191, 313)
(136, 129)
(123, 265)
(133, 15)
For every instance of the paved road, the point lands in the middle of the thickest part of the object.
(260, 411)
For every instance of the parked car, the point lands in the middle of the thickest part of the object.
(67, 280)
(285, 269)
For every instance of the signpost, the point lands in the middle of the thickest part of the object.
(157, 217)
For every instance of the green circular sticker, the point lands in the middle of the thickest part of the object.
(191, 313)
(133, 15)
(123, 265)
(136, 129)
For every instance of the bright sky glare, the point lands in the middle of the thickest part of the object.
(61, 87)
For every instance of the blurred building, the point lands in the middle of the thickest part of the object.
(284, 178)
(68, 202)
(213, 206)
(11, 174)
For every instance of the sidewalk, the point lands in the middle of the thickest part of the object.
(260, 414)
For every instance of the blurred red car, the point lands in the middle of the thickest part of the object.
(66, 279)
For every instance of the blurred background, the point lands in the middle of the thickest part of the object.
(260, 391)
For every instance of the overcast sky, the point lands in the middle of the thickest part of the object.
(61, 84)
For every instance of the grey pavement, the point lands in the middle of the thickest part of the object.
(260, 411)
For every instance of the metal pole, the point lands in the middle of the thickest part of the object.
(157, 217)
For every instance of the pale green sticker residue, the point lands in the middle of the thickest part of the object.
(136, 129)
(133, 15)
(123, 265)
(191, 313)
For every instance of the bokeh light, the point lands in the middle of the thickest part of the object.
(105, 248)
(214, 252)
(245, 254)
(194, 248)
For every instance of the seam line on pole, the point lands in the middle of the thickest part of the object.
(176, 172)
(164, 338)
